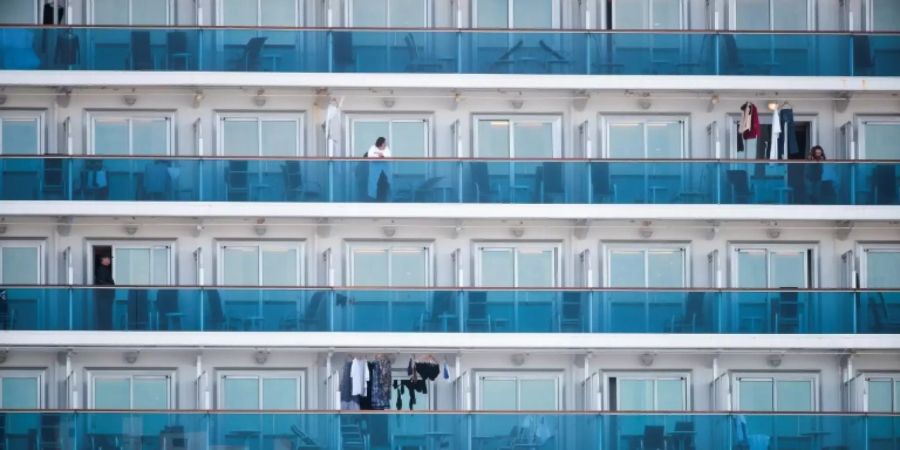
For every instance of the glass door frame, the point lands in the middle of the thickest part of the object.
(813, 377)
(352, 244)
(90, 244)
(655, 376)
(92, 375)
(862, 250)
(812, 270)
(518, 376)
(515, 246)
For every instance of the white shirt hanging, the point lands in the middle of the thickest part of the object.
(774, 149)
(359, 377)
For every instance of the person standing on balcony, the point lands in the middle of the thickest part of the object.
(104, 298)
(379, 185)
(815, 185)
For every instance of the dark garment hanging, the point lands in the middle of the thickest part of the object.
(380, 390)
(47, 14)
(413, 386)
(345, 384)
(428, 371)
(67, 49)
(787, 140)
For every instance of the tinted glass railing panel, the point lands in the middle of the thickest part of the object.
(449, 311)
(451, 181)
(470, 52)
(160, 430)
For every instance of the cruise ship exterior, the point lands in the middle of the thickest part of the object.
(449, 224)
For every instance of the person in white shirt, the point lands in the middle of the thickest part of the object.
(378, 185)
(379, 150)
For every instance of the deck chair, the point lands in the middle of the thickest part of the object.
(416, 62)
(237, 181)
(693, 315)
(138, 310)
(251, 56)
(481, 182)
(294, 187)
(141, 53)
(477, 318)
(786, 313)
(741, 191)
(551, 188)
(882, 320)
(177, 55)
(216, 317)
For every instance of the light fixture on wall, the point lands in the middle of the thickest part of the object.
(773, 232)
(457, 99)
(843, 229)
(645, 231)
(644, 101)
(197, 99)
(64, 225)
(197, 229)
(63, 97)
(389, 231)
(646, 359)
(260, 227)
(713, 230)
(580, 100)
(260, 98)
(775, 360)
(261, 356)
(131, 357)
(517, 231)
(388, 102)
(581, 228)
(4, 355)
(713, 101)
(518, 359)
(129, 99)
(131, 229)
(772, 105)
(842, 101)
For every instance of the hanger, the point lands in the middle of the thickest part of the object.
(786, 105)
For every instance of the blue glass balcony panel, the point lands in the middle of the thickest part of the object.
(450, 181)
(451, 311)
(463, 51)
(203, 430)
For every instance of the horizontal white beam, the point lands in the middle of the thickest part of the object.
(446, 211)
(444, 341)
(110, 78)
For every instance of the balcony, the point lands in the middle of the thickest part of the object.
(457, 52)
(449, 181)
(202, 430)
(474, 310)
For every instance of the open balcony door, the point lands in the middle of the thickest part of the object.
(326, 272)
(66, 268)
(199, 269)
(458, 276)
(846, 142)
(585, 274)
(849, 271)
(714, 139)
(715, 269)
(583, 143)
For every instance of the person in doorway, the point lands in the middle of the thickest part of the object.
(815, 185)
(379, 172)
(104, 297)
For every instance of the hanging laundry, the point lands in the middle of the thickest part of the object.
(749, 128)
(359, 373)
(774, 150)
(349, 402)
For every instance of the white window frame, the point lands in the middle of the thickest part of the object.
(170, 12)
(19, 243)
(554, 119)
(765, 117)
(654, 376)
(605, 120)
(511, 20)
(607, 248)
(428, 19)
(775, 377)
(36, 9)
(26, 114)
(353, 118)
(868, 11)
(682, 19)
(389, 246)
(555, 246)
(298, 12)
(864, 119)
(299, 245)
(28, 373)
(298, 374)
(169, 374)
(769, 247)
(810, 15)
(863, 248)
(518, 376)
(297, 116)
(114, 244)
(893, 377)
(93, 116)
